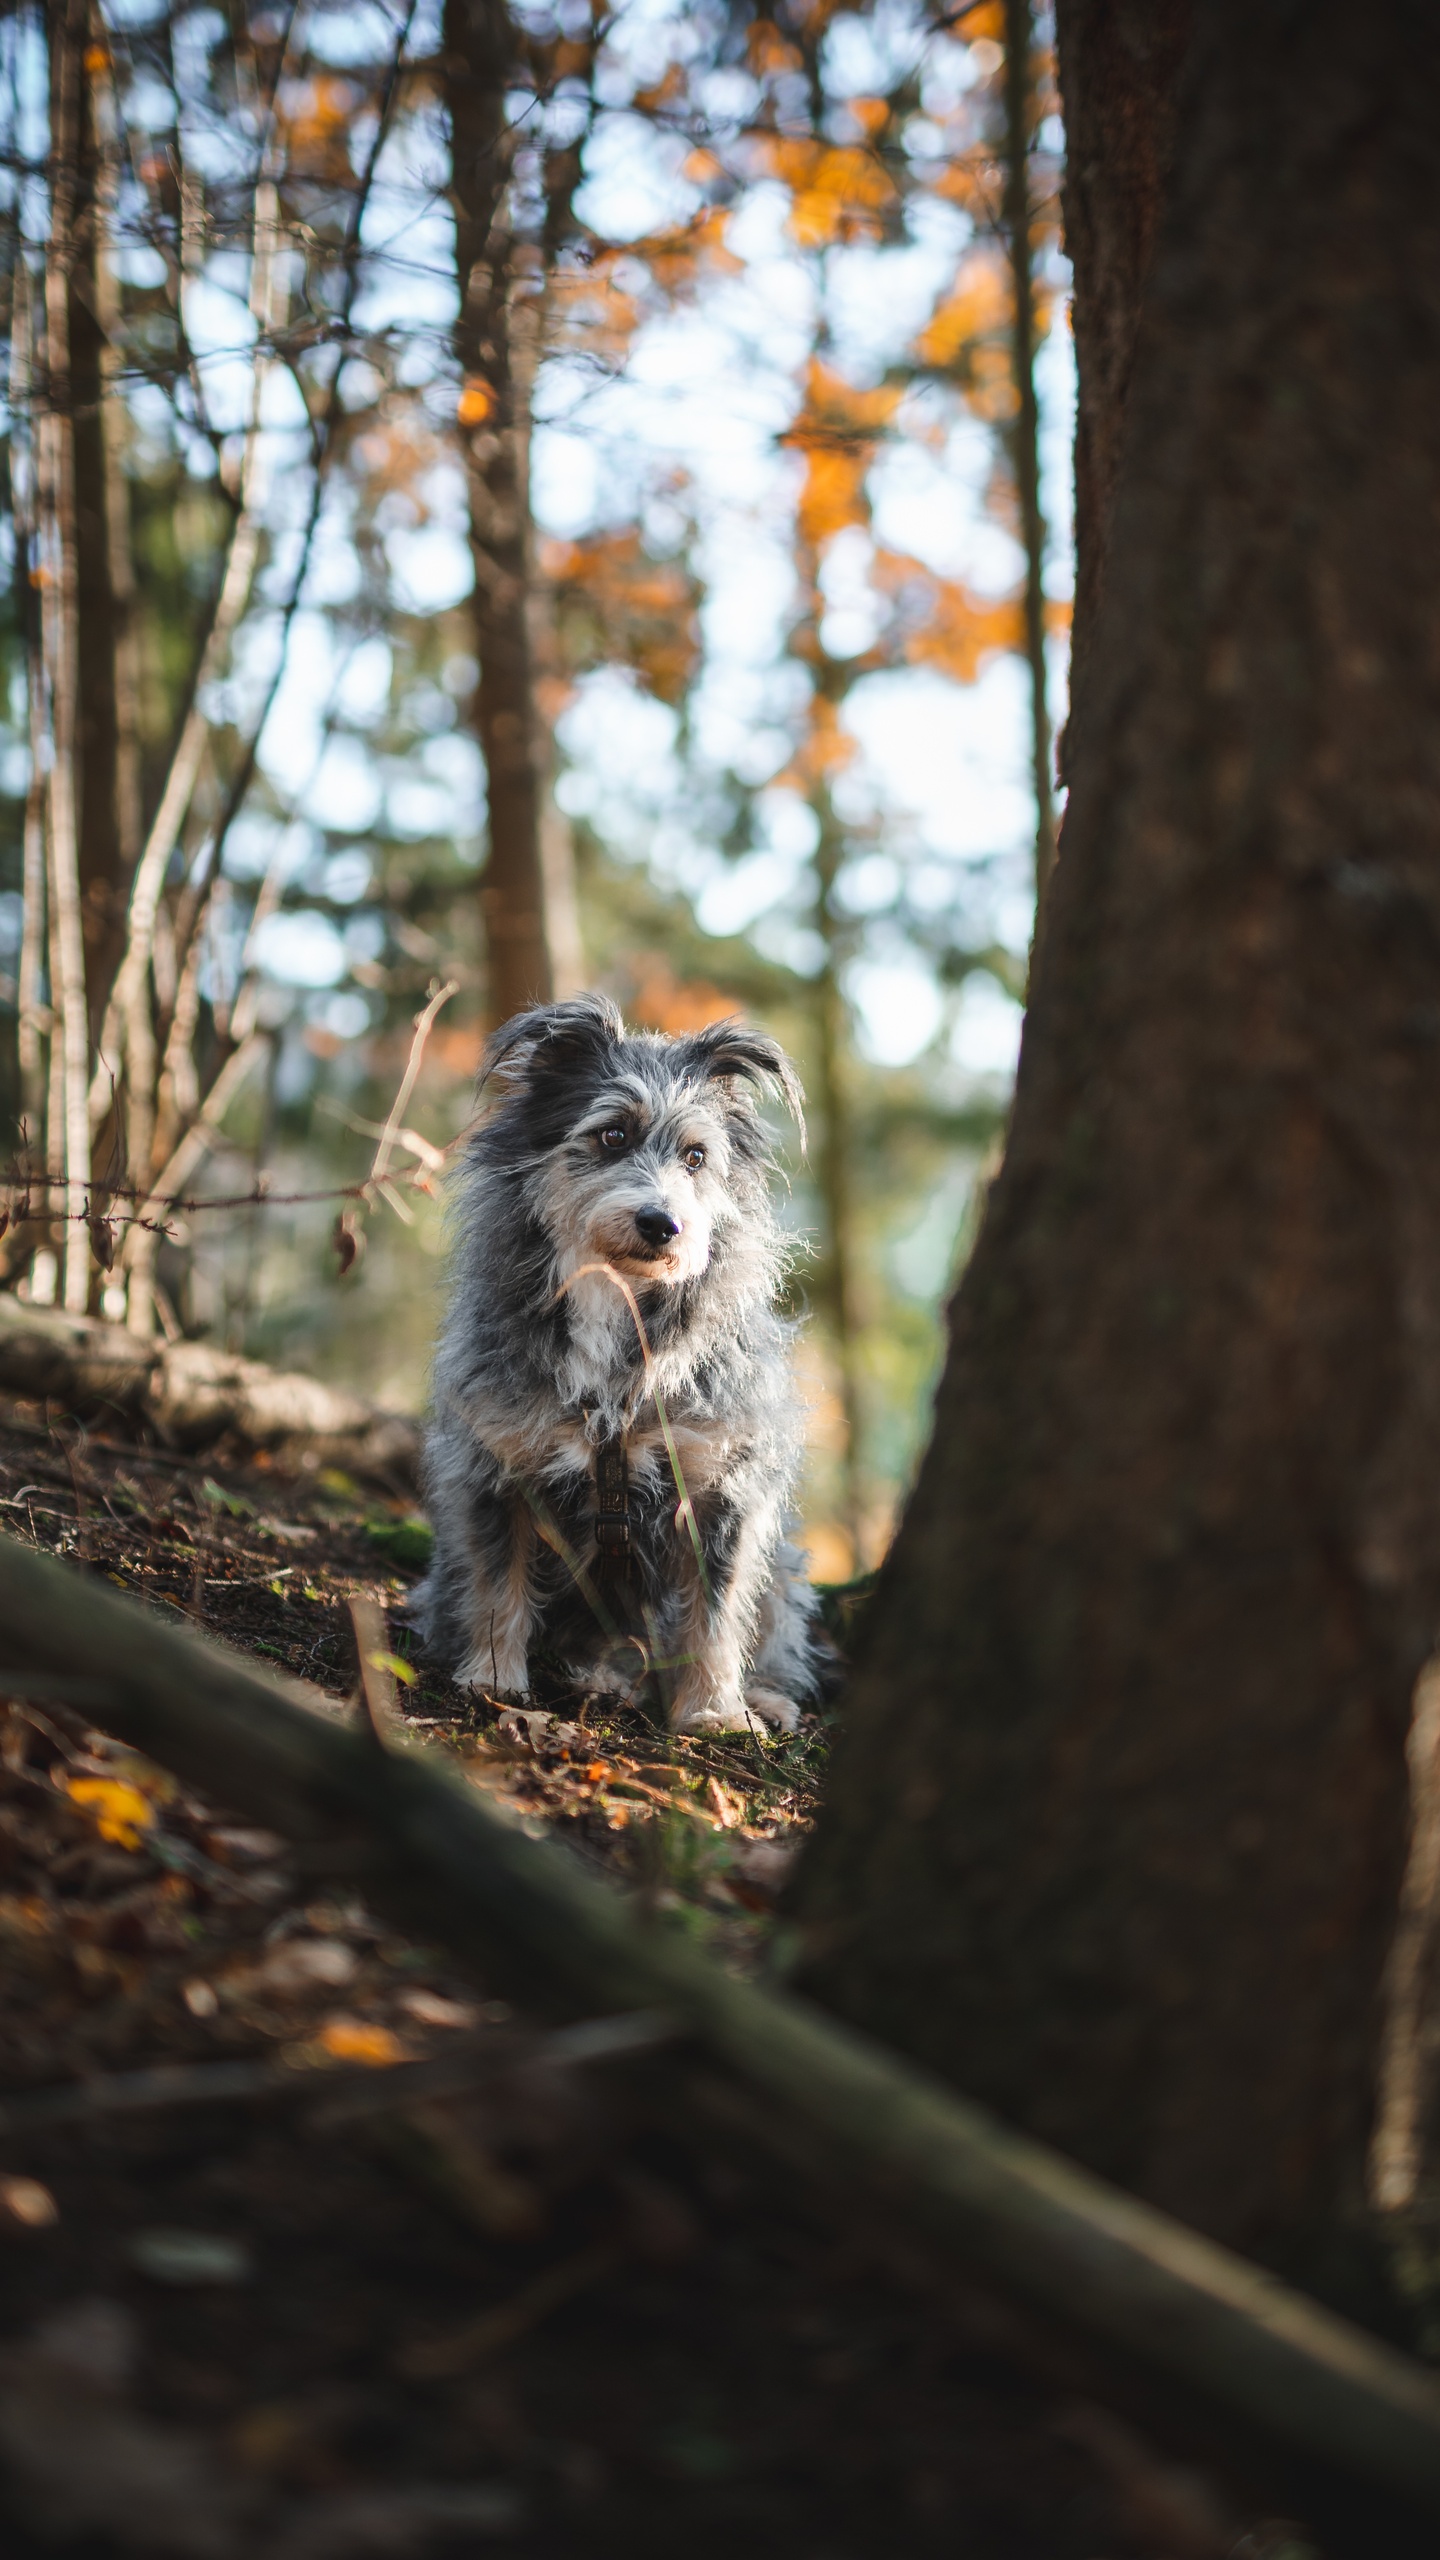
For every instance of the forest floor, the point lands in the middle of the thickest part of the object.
(283, 2315)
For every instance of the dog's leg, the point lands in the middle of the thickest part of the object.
(783, 1666)
(716, 1623)
(501, 1602)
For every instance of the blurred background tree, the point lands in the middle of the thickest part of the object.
(517, 498)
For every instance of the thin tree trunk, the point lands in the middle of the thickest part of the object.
(110, 666)
(108, 747)
(1118, 1821)
(33, 1021)
(60, 593)
(497, 346)
(1025, 434)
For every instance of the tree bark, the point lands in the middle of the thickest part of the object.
(838, 1276)
(496, 339)
(68, 1136)
(108, 686)
(1025, 432)
(1118, 1821)
(1119, 61)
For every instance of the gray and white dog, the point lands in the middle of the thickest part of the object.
(616, 1434)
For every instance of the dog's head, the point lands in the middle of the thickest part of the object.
(636, 1149)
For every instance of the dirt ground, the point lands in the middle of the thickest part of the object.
(286, 2314)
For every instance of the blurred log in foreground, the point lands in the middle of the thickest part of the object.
(1347, 2416)
(192, 1394)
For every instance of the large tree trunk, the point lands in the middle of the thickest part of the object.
(1118, 1820)
(1025, 426)
(1118, 66)
(497, 344)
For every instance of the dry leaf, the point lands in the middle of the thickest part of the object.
(121, 1812)
(348, 1238)
(302, 1964)
(355, 2040)
(430, 2009)
(27, 2202)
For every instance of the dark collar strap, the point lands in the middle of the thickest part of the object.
(612, 1501)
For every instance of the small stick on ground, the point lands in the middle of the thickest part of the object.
(445, 2357)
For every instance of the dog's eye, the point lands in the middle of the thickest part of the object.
(694, 1157)
(615, 1140)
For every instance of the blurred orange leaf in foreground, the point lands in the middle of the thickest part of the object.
(121, 1812)
(351, 2040)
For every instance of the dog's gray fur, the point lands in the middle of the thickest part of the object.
(540, 1361)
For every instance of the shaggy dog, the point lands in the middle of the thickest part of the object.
(616, 1435)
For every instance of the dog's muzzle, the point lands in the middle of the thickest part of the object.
(657, 1229)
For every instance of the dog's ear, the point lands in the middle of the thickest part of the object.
(552, 1039)
(734, 1048)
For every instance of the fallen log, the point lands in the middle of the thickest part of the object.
(1050, 2235)
(192, 1394)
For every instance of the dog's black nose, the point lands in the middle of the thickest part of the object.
(656, 1227)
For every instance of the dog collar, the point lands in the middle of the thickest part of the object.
(612, 1502)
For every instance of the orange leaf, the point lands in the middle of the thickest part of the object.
(476, 404)
(121, 1812)
(352, 2040)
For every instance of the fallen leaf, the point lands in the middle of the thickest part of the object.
(233, 1842)
(301, 1964)
(122, 1814)
(26, 2201)
(395, 1663)
(353, 2040)
(525, 1728)
(431, 2009)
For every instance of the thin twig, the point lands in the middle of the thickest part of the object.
(444, 2357)
(389, 1135)
(345, 2095)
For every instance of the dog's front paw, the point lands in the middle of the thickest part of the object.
(497, 1679)
(773, 1706)
(711, 1714)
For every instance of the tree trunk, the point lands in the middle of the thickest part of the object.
(497, 343)
(836, 1170)
(1118, 66)
(110, 822)
(1118, 1820)
(68, 1136)
(1025, 431)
